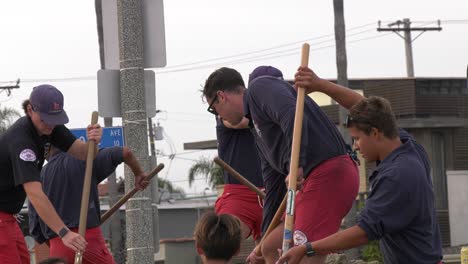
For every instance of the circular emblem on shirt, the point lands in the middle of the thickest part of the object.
(27, 155)
(299, 238)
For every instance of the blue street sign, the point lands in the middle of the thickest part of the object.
(111, 136)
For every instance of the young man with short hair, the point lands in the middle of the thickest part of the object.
(237, 147)
(399, 210)
(21, 160)
(331, 177)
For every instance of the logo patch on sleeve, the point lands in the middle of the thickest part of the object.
(27, 155)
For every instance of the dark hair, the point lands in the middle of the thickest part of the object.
(374, 111)
(223, 79)
(25, 106)
(219, 236)
(53, 261)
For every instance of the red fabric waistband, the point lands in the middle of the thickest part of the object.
(239, 188)
(7, 216)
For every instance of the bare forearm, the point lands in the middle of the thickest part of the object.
(242, 125)
(346, 239)
(43, 206)
(131, 161)
(342, 95)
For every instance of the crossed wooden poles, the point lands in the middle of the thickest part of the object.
(287, 203)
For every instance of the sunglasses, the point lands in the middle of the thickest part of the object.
(350, 120)
(211, 108)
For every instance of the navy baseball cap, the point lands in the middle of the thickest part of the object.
(48, 101)
(265, 71)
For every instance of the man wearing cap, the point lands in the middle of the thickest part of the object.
(331, 177)
(62, 180)
(21, 159)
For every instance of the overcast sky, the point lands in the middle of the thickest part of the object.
(46, 40)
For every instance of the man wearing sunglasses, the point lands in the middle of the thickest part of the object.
(331, 177)
(399, 210)
(236, 146)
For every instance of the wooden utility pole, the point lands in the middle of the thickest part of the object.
(405, 26)
(342, 79)
(341, 60)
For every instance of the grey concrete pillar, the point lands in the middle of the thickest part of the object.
(139, 222)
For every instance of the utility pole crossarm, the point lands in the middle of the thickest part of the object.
(405, 26)
(412, 29)
(9, 87)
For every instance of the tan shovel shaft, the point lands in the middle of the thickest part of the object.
(273, 224)
(294, 164)
(239, 177)
(129, 195)
(86, 188)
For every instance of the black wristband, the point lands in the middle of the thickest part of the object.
(63, 232)
(310, 251)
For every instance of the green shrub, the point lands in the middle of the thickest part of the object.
(371, 252)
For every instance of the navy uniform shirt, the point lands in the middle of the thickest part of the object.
(62, 180)
(400, 209)
(271, 104)
(237, 148)
(275, 190)
(22, 157)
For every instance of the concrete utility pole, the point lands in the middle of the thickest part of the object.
(132, 90)
(407, 38)
(342, 79)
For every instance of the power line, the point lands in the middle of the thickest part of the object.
(282, 53)
(287, 52)
(266, 49)
(446, 21)
(94, 78)
(67, 79)
(184, 153)
(407, 29)
(264, 57)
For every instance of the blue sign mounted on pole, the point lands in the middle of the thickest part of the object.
(111, 136)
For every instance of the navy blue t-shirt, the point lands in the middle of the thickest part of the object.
(275, 189)
(237, 148)
(62, 180)
(22, 157)
(400, 209)
(271, 104)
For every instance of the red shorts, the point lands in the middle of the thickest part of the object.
(240, 201)
(326, 197)
(96, 251)
(13, 248)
